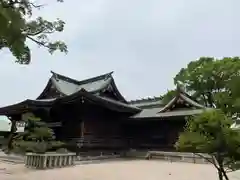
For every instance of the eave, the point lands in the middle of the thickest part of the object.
(25, 106)
(117, 92)
(153, 113)
(45, 90)
(29, 105)
(99, 100)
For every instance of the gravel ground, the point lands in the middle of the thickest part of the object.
(116, 170)
(119, 170)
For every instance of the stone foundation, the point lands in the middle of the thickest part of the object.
(49, 160)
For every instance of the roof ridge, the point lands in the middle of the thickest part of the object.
(146, 99)
(96, 78)
(66, 78)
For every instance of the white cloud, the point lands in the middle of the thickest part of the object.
(144, 42)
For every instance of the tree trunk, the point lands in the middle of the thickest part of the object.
(11, 135)
(220, 175)
(224, 172)
(221, 171)
(219, 161)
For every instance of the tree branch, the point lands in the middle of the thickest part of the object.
(38, 32)
(212, 162)
(58, 45)
(37, 6)
(38, 42)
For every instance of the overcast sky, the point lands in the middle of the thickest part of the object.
(145, 43)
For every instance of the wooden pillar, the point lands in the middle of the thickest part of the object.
(82, 129)
(80, 143)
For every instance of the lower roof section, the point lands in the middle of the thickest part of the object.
(25, 106)
(154, 113)
(29, 105)
(148, 102)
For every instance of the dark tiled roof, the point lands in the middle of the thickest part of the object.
(154, 113)
(147, 102)
(104, 101)
(167, 111)
(147, 113)
(68, 86)
(26, 105)
(71, 90)
(80, 95)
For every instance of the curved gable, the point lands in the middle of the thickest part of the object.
(103, 85)
(182, 100)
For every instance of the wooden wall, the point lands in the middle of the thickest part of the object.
(105, 129)
(154, 134)
(101, 127)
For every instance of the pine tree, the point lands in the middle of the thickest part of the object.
(211, 133)
(37, 137)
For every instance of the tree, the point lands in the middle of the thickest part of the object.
(17, 28)
(214, 82)
(210, 133)
(37, 137)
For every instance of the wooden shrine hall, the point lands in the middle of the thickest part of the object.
(93, 114)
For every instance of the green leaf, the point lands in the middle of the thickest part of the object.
(214, 82)
(210, 133)
(16, 29)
